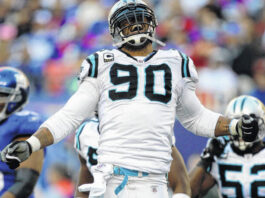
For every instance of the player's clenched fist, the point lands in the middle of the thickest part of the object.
(15, 153)
(246, 127)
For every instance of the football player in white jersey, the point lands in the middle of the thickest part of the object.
(238, 167)
(138, 93)
(86, 144)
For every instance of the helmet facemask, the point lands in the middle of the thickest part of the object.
(244, 146)
(133, 26)
(253, 107)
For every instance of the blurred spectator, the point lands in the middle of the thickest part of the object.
(250, 47)
(210, 19)
(35, 34)
(258, 72)
(90, 11)
(191, 7)
(218, 83)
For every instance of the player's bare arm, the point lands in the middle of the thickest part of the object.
(44, 136)
(178, 175)
(200, 181)
(200, 178)
(246, 127)
(85, 177)
(222, 126)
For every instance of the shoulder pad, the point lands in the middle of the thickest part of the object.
(89, 67)
(106, 55)
(92, 60)
(188, 69)
(185, 71)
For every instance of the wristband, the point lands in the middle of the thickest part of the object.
(180, 195)
(34, 142)
(232, 127)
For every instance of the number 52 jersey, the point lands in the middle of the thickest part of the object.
(137, 105)
(86, 141)
(240, 176)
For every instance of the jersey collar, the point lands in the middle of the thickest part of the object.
(147, 58)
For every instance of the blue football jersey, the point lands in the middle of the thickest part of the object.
(23, 123)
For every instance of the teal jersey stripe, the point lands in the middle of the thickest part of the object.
(79, 131)
(185, 72)
(185, 65)
(92, 59)
(93, 62)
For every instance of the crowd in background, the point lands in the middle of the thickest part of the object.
(48, 39)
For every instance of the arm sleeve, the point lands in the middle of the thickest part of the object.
(192, 114)
(78, 108)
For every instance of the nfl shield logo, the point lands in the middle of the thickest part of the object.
(154, 189)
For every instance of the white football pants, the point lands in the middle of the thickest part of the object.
(151, 186)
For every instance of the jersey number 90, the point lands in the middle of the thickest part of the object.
(132, 80)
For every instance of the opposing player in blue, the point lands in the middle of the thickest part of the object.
(17, 124)
(238, 167)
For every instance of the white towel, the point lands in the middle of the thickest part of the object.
(101, 174)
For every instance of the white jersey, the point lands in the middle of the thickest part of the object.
(240, 176)
(138, 101)
(86, 141)
(137, 107)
